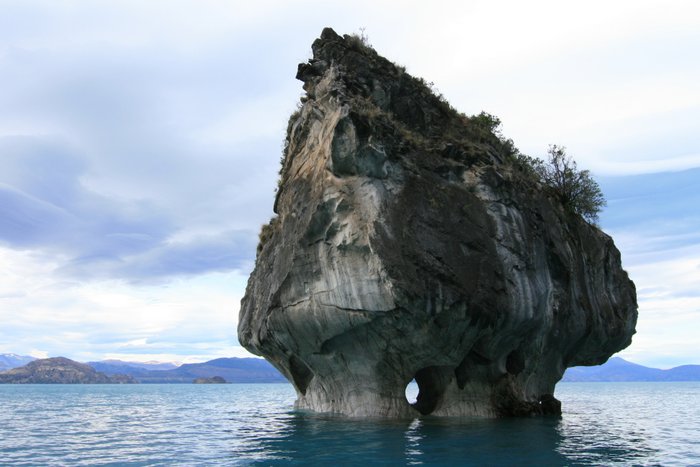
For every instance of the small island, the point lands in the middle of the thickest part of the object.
(212, 380)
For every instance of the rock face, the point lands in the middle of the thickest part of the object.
(411, 242)
(60, 370)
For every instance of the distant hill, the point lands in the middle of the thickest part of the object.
(11, 360)
(143, 365)
(233, 370)
(135, 369)
(59, 370)
(618, 369)
(257, 370)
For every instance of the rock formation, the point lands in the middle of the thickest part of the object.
(60, 370)
(412, 242)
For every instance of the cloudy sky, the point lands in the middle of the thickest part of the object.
(140, 142)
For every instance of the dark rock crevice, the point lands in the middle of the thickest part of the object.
(432, 382)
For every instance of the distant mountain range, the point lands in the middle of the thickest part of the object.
(618, 369)
(142, 365)
(232, 370)
(256, 370)
(9, 361)
(59, 370)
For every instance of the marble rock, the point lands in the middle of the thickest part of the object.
(411, 243)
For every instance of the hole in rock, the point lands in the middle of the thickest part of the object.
(515, 363)
(412, 392)
(431, 382)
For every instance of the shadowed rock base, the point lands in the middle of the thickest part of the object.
(411, 242)
(435, 398)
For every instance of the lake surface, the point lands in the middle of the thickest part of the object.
(235, 424)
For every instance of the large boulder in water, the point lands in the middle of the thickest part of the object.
(411, 242)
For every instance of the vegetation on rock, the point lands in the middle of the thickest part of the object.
(575, 188)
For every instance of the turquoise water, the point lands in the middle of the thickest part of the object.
(603, 424)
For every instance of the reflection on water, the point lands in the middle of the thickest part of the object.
(603, 424)
(328, 440)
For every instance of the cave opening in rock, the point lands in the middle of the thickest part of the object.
(301, 373)
(431, 383)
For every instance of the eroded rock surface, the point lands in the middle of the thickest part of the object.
(410, 243)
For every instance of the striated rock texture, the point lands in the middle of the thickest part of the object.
(412, 242)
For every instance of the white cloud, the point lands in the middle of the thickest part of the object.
(208, 353)
(663, 164)
(191, 318)
(38, 353)
(248, 121)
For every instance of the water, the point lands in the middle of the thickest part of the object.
(603, 424)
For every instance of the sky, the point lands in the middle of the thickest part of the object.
(140, 144)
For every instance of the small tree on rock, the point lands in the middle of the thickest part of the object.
(575, 189)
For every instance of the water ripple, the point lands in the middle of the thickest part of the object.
(604, 424)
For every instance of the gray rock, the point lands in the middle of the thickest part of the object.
(410, 243)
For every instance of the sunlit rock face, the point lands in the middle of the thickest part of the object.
(410, 243)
